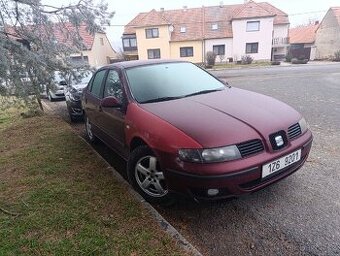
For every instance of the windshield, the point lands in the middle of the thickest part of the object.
(82, 79)
(169, 81)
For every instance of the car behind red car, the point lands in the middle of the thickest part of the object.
(184, 131)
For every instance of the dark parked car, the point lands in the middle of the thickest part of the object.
(184, 131)
(73, 93)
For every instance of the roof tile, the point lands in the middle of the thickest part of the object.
(303, 34)
(252, 10)
(194, 18)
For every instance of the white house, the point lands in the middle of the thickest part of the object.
(231, 31)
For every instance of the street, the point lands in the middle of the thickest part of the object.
(300, 215)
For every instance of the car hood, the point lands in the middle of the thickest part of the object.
(79, 86)
(226, 117)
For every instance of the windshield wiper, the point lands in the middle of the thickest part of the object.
(203, 92)
(162, 99)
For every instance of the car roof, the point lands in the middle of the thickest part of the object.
(137, 63)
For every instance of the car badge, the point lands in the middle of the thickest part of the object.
(279, 140)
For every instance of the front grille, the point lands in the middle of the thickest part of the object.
(250, 147)
(294, 131)
(274, 142)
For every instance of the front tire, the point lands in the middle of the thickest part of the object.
(146, 177)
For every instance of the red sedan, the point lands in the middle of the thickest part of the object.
(184, 131)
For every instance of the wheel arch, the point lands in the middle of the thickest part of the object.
(136, 142)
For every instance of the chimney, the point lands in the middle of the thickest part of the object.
(162, 9)
(185, 8)
(221, 4)
(317, 22)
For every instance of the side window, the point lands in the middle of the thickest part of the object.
(113, 86)
(97, 83)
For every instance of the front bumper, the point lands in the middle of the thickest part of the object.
(59, 94)
(74, 107)
(234, 183)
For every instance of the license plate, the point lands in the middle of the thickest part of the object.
(280, 163)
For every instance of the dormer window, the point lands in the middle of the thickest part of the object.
(214, 26)
(183, 29)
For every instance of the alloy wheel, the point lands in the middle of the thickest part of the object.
(89, 129)
(149, 178)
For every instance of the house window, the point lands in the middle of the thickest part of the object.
(253, 26)
(101, 41)
(214, 26)
(129, 42)
(219, 49)
(186, 51)
(80, 59)
(183, 29)
(252, 47)
(154, 53)
(151, 33)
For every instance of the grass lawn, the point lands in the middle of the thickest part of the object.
(234, 65)
(58, 198)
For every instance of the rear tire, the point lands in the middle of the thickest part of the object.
(146, 177)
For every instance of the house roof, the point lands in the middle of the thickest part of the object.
(61, 33)
(303, 34)
(198, 21)
(153, 17)
(252, 10)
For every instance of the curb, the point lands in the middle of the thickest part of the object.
(309, 64)
(47, 107)
(163, 223)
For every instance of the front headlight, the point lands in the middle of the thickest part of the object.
(303, 125)
(210, 155)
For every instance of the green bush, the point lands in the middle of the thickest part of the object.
(246, 59)
(289, 57)
(211, 57)
(337, 56)
(299, 61)
(275, 62)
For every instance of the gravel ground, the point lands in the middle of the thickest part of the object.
(297, 216)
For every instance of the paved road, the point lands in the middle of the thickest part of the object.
(297, 216)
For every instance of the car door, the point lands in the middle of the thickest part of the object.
(92, 99)
(112, 119)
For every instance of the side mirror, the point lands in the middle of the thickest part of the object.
(110, 102)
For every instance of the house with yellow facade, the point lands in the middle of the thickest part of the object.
(97, 50)
(231, 31)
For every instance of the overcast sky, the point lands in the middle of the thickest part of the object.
(299, 11)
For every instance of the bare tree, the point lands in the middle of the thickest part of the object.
(37, 39)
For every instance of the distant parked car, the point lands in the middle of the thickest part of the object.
(184, 131)
(56, 89)
(73, 93)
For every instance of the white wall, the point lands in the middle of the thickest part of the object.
(228, 42)
(281, 31)
(263, 37)
(327, 39)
